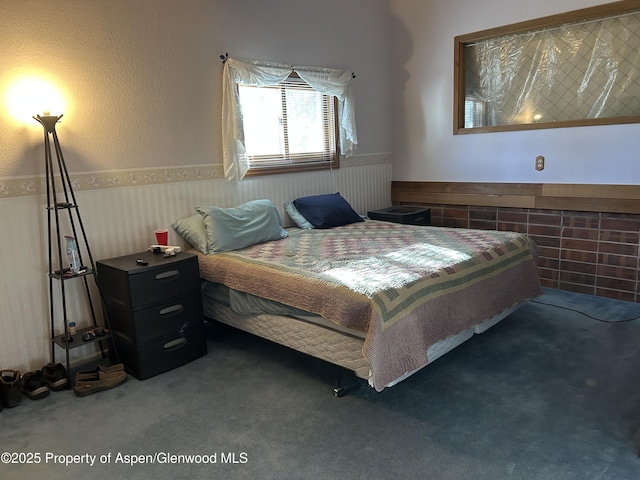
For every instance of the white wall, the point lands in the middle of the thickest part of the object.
(424, 147)
(141, 127)
(141, 79)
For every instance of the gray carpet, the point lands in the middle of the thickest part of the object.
(549, 393)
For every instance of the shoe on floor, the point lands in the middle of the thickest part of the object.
(98, 382)
(10, 392)
(55, 376)
(93, 374)
(35, 385)
(119, 367)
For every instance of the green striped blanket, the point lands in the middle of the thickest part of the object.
(406, 287)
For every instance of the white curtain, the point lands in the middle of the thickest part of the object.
(327, 81)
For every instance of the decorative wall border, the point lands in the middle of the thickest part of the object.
(35, 185)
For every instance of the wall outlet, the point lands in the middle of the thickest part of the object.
(539, 162)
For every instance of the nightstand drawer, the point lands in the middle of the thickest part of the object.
(162, 355)
(141, 326)
(157, 285)
(138, 286)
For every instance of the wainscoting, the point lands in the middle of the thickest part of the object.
(588, 241)
(120, 211)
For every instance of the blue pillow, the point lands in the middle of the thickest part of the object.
(327, 211)
(192, 230)
(227, 229)
(294, 214)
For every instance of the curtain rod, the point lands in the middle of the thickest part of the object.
(225, 57)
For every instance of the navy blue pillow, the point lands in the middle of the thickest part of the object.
(326, 211)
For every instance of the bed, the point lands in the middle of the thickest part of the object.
(381, 299)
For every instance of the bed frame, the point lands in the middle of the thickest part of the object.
(320, 341)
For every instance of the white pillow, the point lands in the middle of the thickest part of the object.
(296, 216)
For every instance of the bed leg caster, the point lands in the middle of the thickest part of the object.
(339, 391)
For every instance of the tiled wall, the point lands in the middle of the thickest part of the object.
(586, 252)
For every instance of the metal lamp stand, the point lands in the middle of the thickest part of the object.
(60, 201)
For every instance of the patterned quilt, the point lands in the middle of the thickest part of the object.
(406, 287)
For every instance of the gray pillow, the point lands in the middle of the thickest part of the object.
(192, 230)
(228, 229)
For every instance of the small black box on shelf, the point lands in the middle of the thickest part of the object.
(406, 214)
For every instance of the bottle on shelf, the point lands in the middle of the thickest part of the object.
(72, 254)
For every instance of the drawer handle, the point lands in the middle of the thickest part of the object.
(172, 310)
(175, 344)
(168, 275)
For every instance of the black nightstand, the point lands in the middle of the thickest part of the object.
(407, 214)
(155, 310)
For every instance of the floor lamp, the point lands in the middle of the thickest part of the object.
(61, 202)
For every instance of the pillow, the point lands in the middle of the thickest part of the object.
(229, 229)
(192, 230)
(294, 214)
(327, 211)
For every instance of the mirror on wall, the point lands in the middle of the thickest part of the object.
(573, 69)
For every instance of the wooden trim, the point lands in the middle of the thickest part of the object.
(551, 196)
(574, 16)
(583, 122)
(578, 190)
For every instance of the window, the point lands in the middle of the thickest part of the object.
(288, 127)
(290, 118)
(574, 69)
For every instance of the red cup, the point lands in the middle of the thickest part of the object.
(162, 236)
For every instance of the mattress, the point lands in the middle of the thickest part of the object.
(247, 304)
(303, 335)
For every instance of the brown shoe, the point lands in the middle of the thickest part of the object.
(118, 367)
(10, 391)
(35, 385)
(111, 369)
(98, 382)
(91, 375)
(55, 376)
